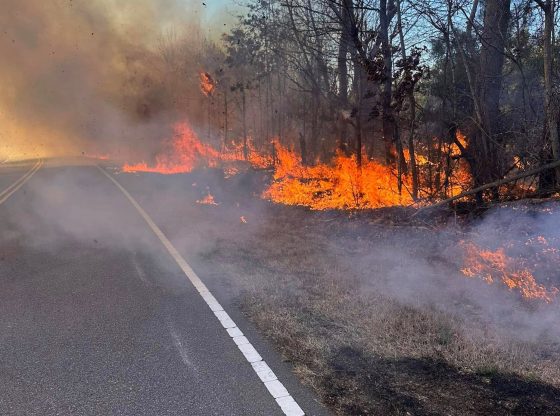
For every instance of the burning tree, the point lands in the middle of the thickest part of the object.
(370, 82)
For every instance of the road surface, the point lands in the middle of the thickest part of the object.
(99, 314)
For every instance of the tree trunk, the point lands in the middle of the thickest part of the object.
(386, 97)
(345, 9)
(244, 111)
(225, 118)
(411, 148)
(412, 104)
(485, 143)
(552, 103)
(315, 121)
(358, 132)
(303, 149)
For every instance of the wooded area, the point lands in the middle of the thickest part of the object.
(452, 95)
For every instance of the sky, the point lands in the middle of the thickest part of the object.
(218, 13)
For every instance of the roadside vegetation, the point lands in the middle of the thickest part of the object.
(375, 315)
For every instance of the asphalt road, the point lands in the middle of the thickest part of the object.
(97, 318)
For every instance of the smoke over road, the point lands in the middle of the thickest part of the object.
(82, 76)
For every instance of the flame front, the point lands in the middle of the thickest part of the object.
(513, 272)
(340, 185)
(185, 153)
(343, 184)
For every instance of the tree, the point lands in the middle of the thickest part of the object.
(552, 90)
(486, 141)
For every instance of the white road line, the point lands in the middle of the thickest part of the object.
(283, 398)
(10, 190)
(17, 182)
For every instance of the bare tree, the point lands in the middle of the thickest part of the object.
(552, 91)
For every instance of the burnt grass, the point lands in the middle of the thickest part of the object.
(307, 280)
(394, 385)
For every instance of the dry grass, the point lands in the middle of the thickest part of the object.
(326, 291)
(365, 352)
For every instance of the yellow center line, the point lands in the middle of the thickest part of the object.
(10, 190)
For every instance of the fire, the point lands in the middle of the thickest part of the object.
(207, 84)
(230, 172)
(462, 139)
(184, 153)
(454, 176)
(513, 272)
(458, 177)
(256, 158)
(340, 185)
(207, 200)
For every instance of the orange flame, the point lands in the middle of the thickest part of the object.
(492, 265)
(256, 158)
(182, 155)
(207, 84)
(341, 184)
(207, 200)
(459, 177)
(186, 152)
(344, 185)
(462, 139)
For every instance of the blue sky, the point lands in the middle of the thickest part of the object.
(218, 9)
(219, 15)
(214, 6)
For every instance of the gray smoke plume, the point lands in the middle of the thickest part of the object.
(88, 76)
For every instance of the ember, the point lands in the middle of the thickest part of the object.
(207, 84)
(207, 200)
(230, 172)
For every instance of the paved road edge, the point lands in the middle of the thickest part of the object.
(12, 189)
(277, 390)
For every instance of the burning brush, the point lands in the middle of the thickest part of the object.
(515, 272)
(207, 84)
(207, 200)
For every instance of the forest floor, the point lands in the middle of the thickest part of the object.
(372, 310)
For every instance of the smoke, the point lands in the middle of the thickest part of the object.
(284, 250)
(88, 76)
(422, 268)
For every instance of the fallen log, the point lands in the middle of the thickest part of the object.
(494, 184)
